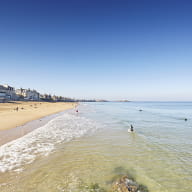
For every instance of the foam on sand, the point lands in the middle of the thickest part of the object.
(42, 141)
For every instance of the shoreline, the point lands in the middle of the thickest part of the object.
(15, 124)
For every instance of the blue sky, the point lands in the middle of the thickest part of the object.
(117, 49)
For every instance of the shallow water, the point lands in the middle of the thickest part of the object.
(74, 150)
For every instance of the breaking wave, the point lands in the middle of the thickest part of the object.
(42, 141)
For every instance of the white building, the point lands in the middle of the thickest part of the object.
(28, 94)
(7, 93)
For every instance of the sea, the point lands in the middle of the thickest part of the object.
(76, 150)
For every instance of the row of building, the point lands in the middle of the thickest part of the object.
(8, 93)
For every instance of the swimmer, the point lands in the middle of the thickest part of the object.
(130, 129)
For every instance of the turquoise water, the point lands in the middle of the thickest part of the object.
(94, 145)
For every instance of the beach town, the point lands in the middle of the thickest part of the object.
(9, 93)
(24, 105)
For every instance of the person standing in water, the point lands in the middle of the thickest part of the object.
(132, 128)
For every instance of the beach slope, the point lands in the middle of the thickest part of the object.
(18, 113)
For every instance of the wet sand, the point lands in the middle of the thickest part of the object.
(30, 115)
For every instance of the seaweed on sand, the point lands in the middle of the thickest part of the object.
(143, 188)
(93, 187)
(126, 179)
(121, 171)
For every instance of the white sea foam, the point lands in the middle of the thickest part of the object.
(42, 141)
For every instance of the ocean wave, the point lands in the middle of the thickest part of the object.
(42, 141)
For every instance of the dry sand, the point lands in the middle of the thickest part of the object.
(28, 111)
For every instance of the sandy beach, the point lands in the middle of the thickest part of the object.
(10, 117)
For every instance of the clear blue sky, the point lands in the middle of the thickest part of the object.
(111, 49)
